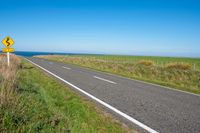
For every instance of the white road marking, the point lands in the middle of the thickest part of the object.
(169, 88)
(67, 68)
(105, 80)
(131, 119)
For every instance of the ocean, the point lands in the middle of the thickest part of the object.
(29, 54)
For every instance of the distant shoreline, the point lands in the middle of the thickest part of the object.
(33, 53)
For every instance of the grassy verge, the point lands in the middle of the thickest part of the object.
(35, 102)
(158, 61)
(178, 73)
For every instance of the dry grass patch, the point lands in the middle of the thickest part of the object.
(182, 66)
(146, 62)
(8, 78)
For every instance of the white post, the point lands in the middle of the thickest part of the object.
(8, 58)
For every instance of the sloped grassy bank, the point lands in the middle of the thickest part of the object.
(176, 74)
(34, 102)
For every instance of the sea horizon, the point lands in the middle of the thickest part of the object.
(35, 53)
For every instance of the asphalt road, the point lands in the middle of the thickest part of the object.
(156, 107)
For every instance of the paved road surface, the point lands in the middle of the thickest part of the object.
(159, 109)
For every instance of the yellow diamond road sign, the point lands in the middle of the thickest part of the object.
(7, 41)
(8, 50)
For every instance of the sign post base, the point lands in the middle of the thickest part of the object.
(8, 58)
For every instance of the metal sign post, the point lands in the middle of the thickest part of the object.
(8, 42)
(8, 58)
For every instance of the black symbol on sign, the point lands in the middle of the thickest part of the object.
(7, 41)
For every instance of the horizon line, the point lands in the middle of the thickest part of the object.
(91, 53)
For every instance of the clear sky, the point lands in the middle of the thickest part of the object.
(142, 27)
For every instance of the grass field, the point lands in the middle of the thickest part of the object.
(31, 101)
(160, 61)
(179, 73)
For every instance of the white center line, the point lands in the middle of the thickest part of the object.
(67, 68)
(104, 80)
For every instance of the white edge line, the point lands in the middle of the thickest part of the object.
(105, 80)
(66, 68)
(150, 130)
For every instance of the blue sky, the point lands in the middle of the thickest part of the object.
(143, 27)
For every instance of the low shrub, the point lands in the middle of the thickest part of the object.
(146, 62)
(182, 66)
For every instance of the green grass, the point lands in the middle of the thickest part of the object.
(161, 61)
(179, 73)
(41, 104)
